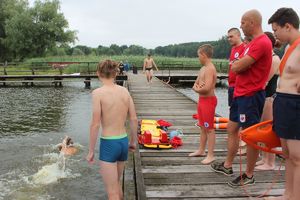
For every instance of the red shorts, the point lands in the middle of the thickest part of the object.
(206, 111)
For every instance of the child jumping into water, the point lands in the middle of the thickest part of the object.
(111, 106)
(205, 86)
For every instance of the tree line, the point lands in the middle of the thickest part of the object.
(221, 50)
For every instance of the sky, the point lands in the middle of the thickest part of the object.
(152, 23)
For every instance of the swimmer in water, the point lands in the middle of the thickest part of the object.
(67, 146)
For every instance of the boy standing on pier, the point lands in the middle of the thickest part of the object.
(286, 106)
(205, 86)
(111, 105)
(148, 67)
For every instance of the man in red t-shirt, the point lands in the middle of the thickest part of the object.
(252, 74)
(238, 47)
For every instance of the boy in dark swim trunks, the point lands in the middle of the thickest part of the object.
(205, 87)
(111, 105)
(148, 67)
(286, 106)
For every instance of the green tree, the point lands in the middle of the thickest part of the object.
(134, 50)
(116, 49)
(77, 52)
(33, 30)
(86, 50)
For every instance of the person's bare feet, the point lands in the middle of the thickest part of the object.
(197, 154)
(265, 167)
(261, 162)
(208, 160)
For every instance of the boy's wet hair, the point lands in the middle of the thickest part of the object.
(283, 16)
(108, 69)
(207, 49)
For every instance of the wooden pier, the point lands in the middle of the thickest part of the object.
(171, 174)
(57, 80)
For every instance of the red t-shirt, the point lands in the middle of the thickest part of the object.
(236, 52)
(255, 77)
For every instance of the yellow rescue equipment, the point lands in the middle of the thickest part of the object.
(152, 135)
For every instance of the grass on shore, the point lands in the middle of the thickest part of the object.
(40, 66)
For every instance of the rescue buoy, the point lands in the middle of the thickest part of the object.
(220, 126)
(217, 126)
(261, 136)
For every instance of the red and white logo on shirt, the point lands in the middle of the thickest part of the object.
(236, 55)
(242, 118)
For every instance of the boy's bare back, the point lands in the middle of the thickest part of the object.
(115, 104)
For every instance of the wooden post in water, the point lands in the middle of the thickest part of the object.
(87, 82)
(58, 82)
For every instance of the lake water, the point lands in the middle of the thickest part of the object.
(33, 121)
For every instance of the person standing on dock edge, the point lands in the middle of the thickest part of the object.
(111, 105)
(238, 47)
(252, 75)
(286, 105)
(148, 67)
(205, 87)
(268, 159)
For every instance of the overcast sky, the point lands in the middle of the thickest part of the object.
(152, 23)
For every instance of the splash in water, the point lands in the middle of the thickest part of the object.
(52, 173)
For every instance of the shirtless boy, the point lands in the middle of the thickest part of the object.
(205, 86)
(286, 105)
(148, 67)
(111, 105)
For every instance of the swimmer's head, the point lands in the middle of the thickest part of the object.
(67, 141)
(108, 69)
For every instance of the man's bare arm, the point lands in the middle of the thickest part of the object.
(242, 64)
(144, 66)
(154, 65)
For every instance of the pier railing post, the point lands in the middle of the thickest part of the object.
(87, 82)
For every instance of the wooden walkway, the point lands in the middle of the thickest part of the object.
(170, 174)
